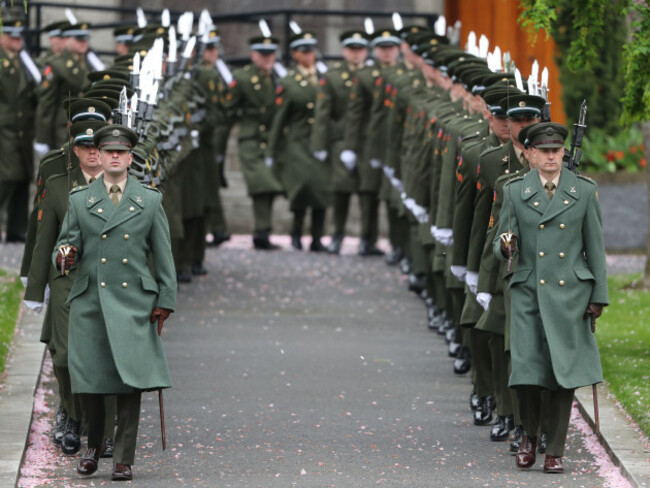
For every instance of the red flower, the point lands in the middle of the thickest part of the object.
(643, 163)
(610, 155)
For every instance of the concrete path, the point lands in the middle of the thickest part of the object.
(295, 369)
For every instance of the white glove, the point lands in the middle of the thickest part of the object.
(268, 161)
(389, 172)
(459, 272)
(408, 203)
(23, 280)
(348, 158)
(397, 184)
(46, 295)
(320, 155)
(484, 300)
(420, 213)
(433, 231)
(444, 237)
(375, 163)
(471, 279)
(41, 148)
(34, 306)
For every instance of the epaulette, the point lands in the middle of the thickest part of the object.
(52, 154)
(337, 65)
(587, 179)
(490, 150)
(149, 187)
(510, 178)
(77, 189)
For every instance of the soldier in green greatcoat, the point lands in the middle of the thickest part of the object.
(17, 103)
(250, 100)
(56, 40)
(64, 76)
(327, 135)
(118, 303)
(551, 220)
(305, 178)
(51, 211)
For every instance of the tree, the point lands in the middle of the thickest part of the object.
(588, 21)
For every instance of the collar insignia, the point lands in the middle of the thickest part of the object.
(91, 200)
(527, 190)
(138, 199)
(572, 190)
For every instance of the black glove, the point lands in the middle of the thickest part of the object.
(160, 314)
(594, 310)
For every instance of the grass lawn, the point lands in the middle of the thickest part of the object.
(623, 334)
(10, 293)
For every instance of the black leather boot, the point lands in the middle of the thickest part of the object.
(501, 428)
(59, 428)
(395, 256)
(71, 442)
(261, 241)
(335, 244)
(483, 414)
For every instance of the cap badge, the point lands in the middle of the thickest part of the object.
(91, 110)
(307, 36)
(385, 34)
(522, 104)
(116, 133)
(356, 35)
(161, 30)
(89, 132)
(107, 77)
(267, 41)
(19, 23)
(549, 131)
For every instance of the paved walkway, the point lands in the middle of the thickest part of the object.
(295, 369)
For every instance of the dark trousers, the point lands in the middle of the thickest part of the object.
(341, 208)
(559, 414)
(262, 211)
(481, 361)
(317, 222)
(128, 415)
(192, 247)
(369, 202)
(71, 403)
(500, 374)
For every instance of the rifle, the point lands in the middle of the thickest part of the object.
(579, 127)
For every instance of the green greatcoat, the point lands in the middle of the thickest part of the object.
(251, 101)
(305, 178)
(64, 76)
(113, 347)
(328, 132)
(561, 269)
(51, 219)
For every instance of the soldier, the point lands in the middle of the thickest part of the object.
(17, 102)
(305, 178)
(123, 39)
(51, 211)
(251, 101)
(551, 219)
(116, 224)
(56, 40)
(63, 77)
(329, 126)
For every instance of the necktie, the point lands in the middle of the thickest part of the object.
(115, 197)
(550, 189)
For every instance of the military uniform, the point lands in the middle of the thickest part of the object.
(17, 102)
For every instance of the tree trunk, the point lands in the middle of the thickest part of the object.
(645, 127)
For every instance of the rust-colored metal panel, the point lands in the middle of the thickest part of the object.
(497, 19)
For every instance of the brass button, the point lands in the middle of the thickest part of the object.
(562, 226)
(561, 255)
(310, 120)
(562, 283)
(126, 237)
(541, 226)
(536, 204)
(507, 171)
(131, 209)
(542, 282)
(310, 105)
(102, 284)
(124, 261)
(566, 202)
(124, 285)
(541, 254)
(99, 210)
(103, 260)
(262, 127)
(262, 145)
(103, 236)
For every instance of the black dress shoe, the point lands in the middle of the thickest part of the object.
(463, 361)
(395, 256)
(501, 428)
(261, 241)
(15, 238)
(335, 244)
(183, 277)
(59, 428)
(405, 265)
(317, 246)
(89, 460)
(437, 320)
(543, 442)
(453, 349)
(417, 282)
(367, 248)
(473, 399)
(296, 243)
(108, 448)
(122, 472)
(71, 442)
(218, 238)
(483, 414)
(516, 439)
(199, 270)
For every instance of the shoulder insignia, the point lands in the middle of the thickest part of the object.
(279, 89)
(233, 83)
(39, 217)
(322, 82)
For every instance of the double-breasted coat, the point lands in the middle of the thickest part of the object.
(113, 347)
(561, 269)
